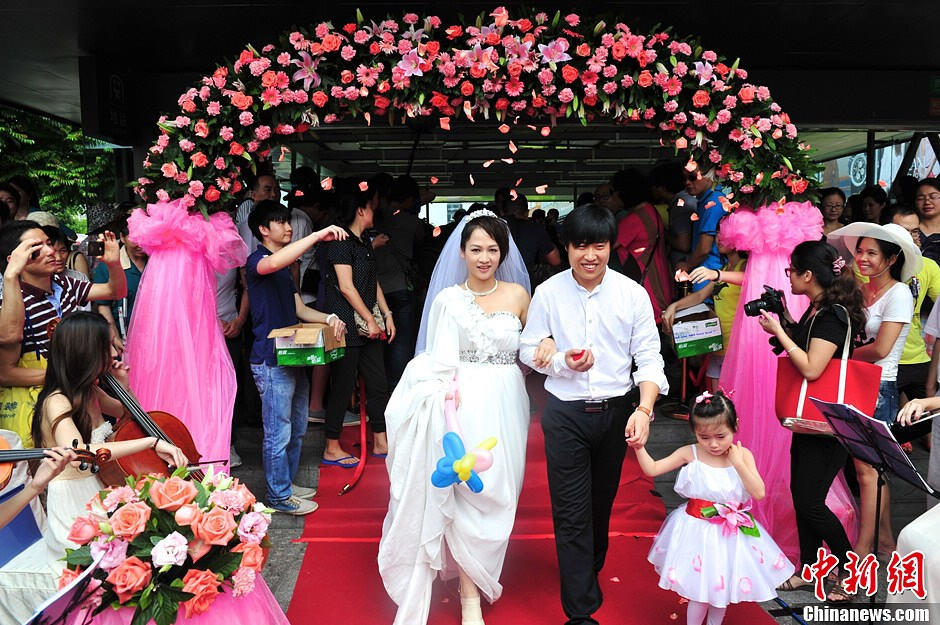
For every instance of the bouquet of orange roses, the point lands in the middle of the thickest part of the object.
(162, 543)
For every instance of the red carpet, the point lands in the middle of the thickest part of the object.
(339, 581)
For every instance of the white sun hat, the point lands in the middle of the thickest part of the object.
(847, 238)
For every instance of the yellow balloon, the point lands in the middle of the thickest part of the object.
(465, 465)
(489, 443)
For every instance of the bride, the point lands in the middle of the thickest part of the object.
(473, 315)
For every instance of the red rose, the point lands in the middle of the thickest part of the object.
(454, 31)
(746, 94)
(645, 79)
(466, 88)
(268, 79)
(524, 25)
(514, 69)
(538, 102)
(212, 194)
(439, 100)
(722, 69)
(618, 50)
(236, 149)
(301, 128)
(236, 186)
(501, 104)
(569, 73)
(319, 98)
(590, 100)
(433, 48)
(492, 39)
(199, 159)
(583, 50)
(346, 76)
(201, 129)
(374, 48)
(700, 98)
(241, 101)
(129, 577)
(381, 102)
(331, 43)
(246, 57)
(350, 28)
(477, 71)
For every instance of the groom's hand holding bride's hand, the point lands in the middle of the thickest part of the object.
(579, 360)
(545, 352)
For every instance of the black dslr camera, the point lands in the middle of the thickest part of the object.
(771, 301)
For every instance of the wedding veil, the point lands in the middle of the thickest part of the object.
(451, 269)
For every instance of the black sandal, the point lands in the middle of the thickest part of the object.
(798, 584)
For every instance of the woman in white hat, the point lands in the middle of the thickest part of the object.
(888, 257)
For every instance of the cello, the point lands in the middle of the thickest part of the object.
(138, 423)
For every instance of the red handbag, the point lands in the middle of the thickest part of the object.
(844, 381)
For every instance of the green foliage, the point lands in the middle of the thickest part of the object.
(55, 155)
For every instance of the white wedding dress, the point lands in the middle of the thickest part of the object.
(427, 529)
(33, 576)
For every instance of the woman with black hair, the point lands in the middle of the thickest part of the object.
(927, 203)
(832, 207)
(352, 289)
(888, 257)
(819, 272)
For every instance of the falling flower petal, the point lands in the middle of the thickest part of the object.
(882, 184)
(545, 131)
(487, 163)
(504, 128)
(434, 179)
(508, 161)
(363, 186)
(284, 150)
(437, 231)
(615, 580)
(445, 123)
(639, 250)
(775, 175)
(680, 202)
(472, 181)
(512, 147)
(298, 193)
(513, 194)
(691, 165)
(682, 143)
(368, 117)
(518, 182)
(542, 188)
(466, 110)
(396, 212)
(673, 616)
(531, 126)
(327, 184)
(694, 217)
(709, 204)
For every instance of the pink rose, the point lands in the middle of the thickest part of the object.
(187, 514)
(129, 577)
(215, 527)
(169, 170)
(83, 530)
(252, 555)
(130, 520)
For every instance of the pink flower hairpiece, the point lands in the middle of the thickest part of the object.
(838, 265)
(705, 397)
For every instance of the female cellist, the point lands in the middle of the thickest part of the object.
(70, 406)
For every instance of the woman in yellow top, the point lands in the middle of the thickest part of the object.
(725, 290)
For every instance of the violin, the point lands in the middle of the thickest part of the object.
(89, 460)
(141, 424)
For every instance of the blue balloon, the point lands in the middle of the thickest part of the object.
(444, 474)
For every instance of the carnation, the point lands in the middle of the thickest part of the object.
(196, 188)
(122, 494)
(170, 550)
(262, 132)
(245, 118)
(214, 108)
(111, 552)
(566, 95)
(243, 581)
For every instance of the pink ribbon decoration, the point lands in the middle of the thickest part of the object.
(731, 516)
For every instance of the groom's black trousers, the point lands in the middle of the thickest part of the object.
(585, 448)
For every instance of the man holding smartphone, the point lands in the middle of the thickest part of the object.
(33, 297)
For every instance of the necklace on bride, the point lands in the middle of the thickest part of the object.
(489, 291)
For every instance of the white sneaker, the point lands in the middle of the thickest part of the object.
(234, 460)
(302, 492)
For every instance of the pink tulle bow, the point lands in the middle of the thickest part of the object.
(731, 516)
(772, 228)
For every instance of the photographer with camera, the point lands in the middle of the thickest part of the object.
(819, 272)
(888, 257)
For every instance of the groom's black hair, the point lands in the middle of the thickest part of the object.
(589, 224)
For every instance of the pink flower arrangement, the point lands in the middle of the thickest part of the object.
(532, 65)
(157, 529)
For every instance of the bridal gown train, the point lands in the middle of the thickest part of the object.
(429, 530)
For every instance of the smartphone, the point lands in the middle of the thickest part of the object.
(95, 248)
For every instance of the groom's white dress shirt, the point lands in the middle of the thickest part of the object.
(615, 321)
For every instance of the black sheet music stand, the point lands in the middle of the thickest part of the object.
(871, 441)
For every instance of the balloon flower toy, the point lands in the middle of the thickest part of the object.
(458, 465)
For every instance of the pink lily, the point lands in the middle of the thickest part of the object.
(732, 515)
(704, 71)
(555, 52)
(307, 71)
(410, 64)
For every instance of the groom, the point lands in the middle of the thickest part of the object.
(602, 323)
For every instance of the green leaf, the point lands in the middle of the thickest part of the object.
(709, 511)
(141, 616)
(420, 99)
(750, 531)
(787, 162)
(164, 610)
(568, 112)
(144, 601)
(78, 557)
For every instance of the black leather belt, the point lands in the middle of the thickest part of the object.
(597, 405)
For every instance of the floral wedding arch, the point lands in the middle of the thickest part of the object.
(508, 70)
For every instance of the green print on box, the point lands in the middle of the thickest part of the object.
(306, 344)
(697, 337)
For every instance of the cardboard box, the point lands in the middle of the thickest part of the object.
(697, 334)
(306, 344)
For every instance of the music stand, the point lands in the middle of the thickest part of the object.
(58, 607)
(872, 441)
